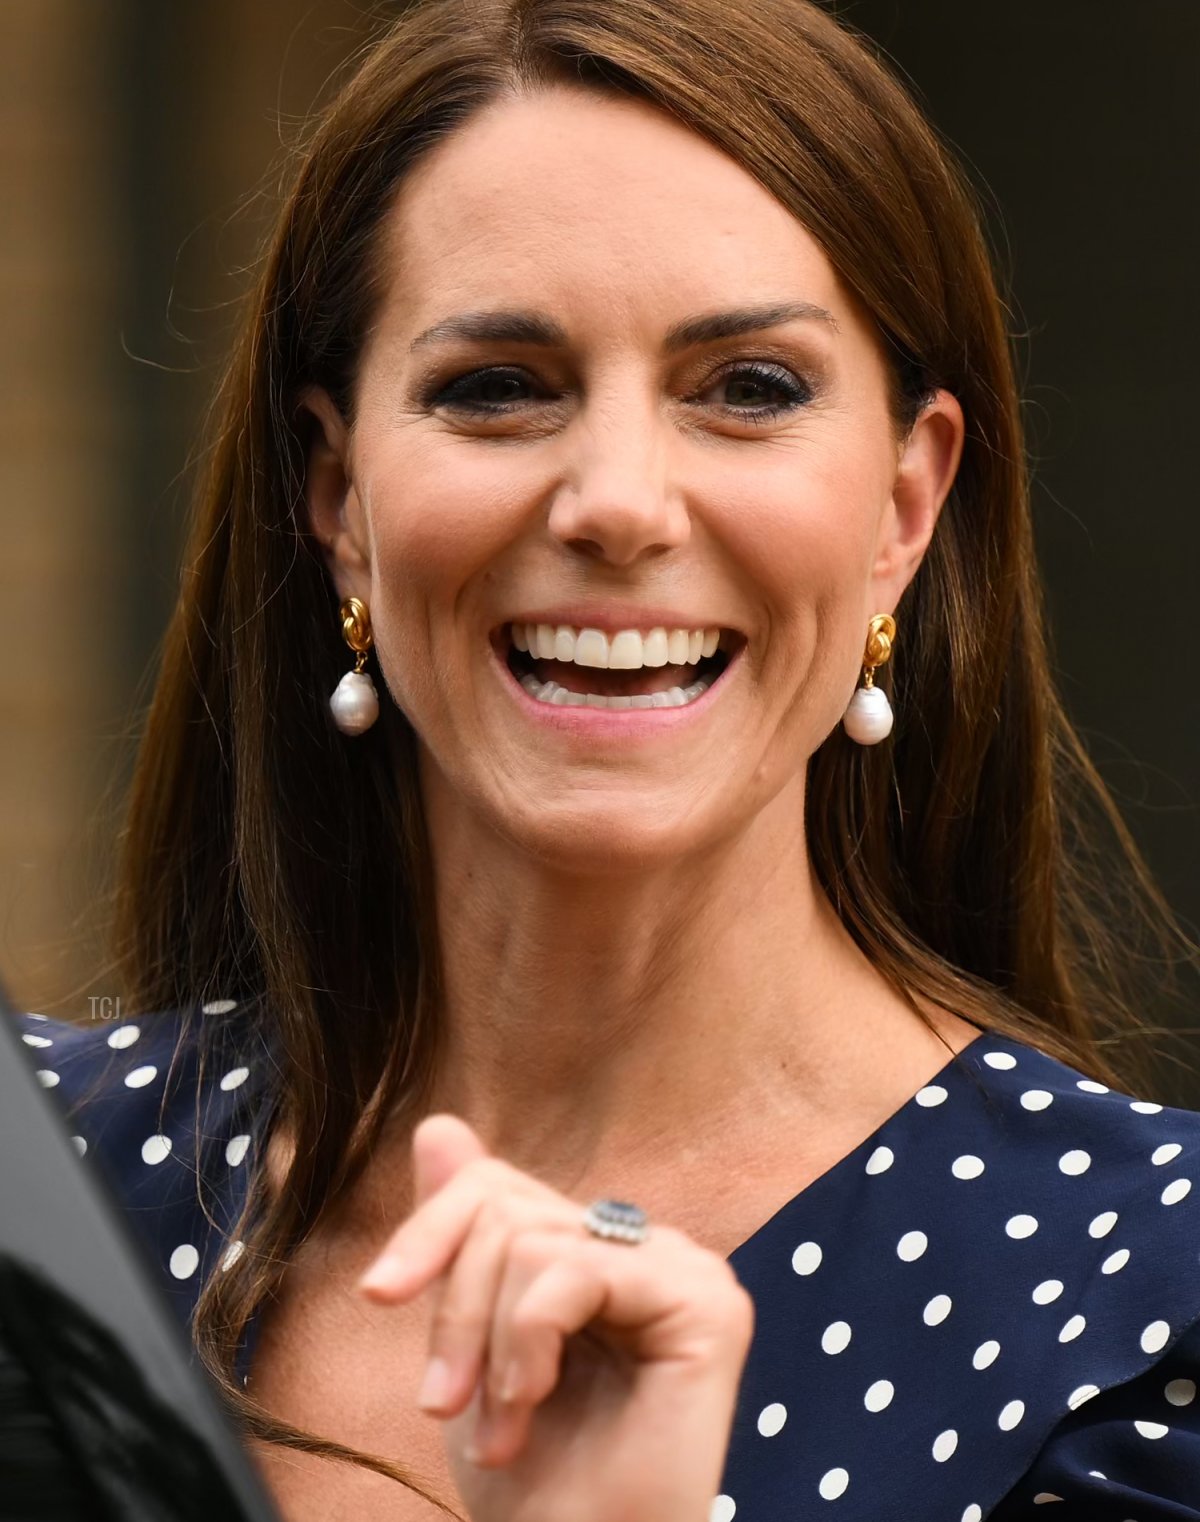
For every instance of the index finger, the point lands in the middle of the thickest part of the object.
(429, 1241)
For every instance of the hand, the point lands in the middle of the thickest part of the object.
(621, 1362)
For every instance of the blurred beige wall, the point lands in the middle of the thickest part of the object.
(133, 139)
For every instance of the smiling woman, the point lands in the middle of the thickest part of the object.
(633, 377)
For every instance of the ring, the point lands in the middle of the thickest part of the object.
(617, 1221)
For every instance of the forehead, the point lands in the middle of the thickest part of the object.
(569, 194)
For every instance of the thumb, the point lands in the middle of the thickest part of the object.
(441, 1145)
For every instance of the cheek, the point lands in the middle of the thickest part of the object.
(805, 542)
(440, 521)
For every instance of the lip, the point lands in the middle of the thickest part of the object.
(619, 723)
(612, 619)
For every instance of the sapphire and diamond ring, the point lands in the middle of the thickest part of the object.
(616, 1221)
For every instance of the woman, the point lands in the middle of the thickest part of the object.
(626, 393)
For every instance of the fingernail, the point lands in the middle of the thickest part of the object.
(485, 1429)
(382, 1274)
(438, 1384)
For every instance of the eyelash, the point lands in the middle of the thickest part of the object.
(454, 394)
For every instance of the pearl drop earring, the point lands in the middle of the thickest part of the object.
(868, 718)
(355, 703)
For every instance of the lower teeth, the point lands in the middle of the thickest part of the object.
(674, 697)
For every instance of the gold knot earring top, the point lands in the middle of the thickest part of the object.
(355, 703)
(868, 718)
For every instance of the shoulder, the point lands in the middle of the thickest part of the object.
(167, 1106)
(1073, 1217)
(1014, 1243)
(1111, 1162)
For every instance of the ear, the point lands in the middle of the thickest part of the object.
(925, 473)
(335, 513)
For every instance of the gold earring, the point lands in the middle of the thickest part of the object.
(868, 717)
(355, 703)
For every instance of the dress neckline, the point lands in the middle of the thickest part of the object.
(954, 1065)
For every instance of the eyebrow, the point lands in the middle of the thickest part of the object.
(538, 328)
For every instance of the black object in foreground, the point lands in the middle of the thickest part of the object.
(104, 1416)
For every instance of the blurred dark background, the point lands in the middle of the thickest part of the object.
(139, 155)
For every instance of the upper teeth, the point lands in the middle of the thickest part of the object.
(626, 650)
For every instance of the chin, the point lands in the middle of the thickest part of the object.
(593, 836)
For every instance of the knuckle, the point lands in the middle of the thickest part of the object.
(529, 1250)
(743, 1310)
(454, 1325)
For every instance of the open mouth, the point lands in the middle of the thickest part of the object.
(565, 682)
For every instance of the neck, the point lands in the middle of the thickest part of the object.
(604, 1020)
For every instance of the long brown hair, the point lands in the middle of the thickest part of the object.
(268, 859)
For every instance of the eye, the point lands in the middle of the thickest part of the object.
(493, 390)
(747, 378)
(498, 389)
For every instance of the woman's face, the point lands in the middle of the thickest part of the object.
(602, 468)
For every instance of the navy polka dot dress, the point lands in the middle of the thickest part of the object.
(990, 1306)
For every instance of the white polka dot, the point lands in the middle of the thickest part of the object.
(836, 1337)
(1075, 1162)
(985, 1354)
(1020, 1226)
(1011, 1415)
(1178, 1189)
(1072, 1329)
(123, 1036)
(155, 1149)
(911, 1246)
(1047, 1291)
(236, 1150)
(944, 1445)
(937, 1310)
(1090, 1086)
(47, 1078)
(79, 1144)
(972, 1514)
(967, 1166)
(723, 1509)
(1103, 1224)
(1181, 1392)
(232, 1253)
(1152, 1429)
(140, 1077)
(880, 1160)
(218, 1006)
(879, 1396)
(1043, 1496)
(1115, 1262)
(234, 1077)
(1002, 1060)
(1167, 1153)
(1146, 1107)
(1096, 1474)
(807, 1258)
(1036, 1099)
(1154, 1338)
(184, 1261)
(932, 1094)
(32, 1016)
(833, 1484)
(1079, 1396)
(771, 1419)
(36, 1040)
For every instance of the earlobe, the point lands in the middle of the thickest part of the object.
(928, 464)
(334, 511)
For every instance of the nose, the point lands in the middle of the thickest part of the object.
(618, 502)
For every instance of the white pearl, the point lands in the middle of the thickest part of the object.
(868, 718)
(355, 703)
